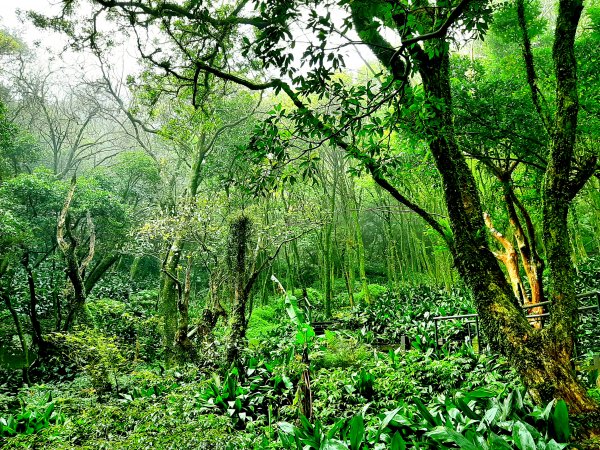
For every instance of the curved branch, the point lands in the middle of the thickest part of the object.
(440, 32)
(530, 68)
(426, 216)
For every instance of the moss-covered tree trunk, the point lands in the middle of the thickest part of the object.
(169, 296)
(542, 357)
(213, 308)
(75, 269)
(328, 255)
(184, 344)
(33, 301)
(238, 241)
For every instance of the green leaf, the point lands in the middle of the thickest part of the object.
(498, 443)
(560, 420)
(397, 442)
(523, 438)
(425, 413)
(333, 444)
(286, 427)
(386, 421)
(335, 428)
(553, 445)
(460, 440)
(49, 411)
(357, 432)
(480, 393)
(490, 415)
(462, 405)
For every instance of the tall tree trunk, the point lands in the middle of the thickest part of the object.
(360, 254)
(169, 296)
(181, 338)
(328, 255)
(239, 235)
(5, 281)
(33, 315)
(526, 242)
(213, 308)
(510, 259)
(75, 269)
(99, 270)
(542, 357)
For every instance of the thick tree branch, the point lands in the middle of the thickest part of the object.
(530, 68)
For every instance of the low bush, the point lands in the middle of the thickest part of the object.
(89, 351)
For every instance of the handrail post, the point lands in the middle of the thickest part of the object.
(435, 321)
(478, 335)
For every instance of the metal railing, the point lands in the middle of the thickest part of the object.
(524, 307)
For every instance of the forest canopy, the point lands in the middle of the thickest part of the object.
(297, 224)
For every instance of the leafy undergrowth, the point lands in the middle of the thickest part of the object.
(258, 406)
(410, 313)
(106, 396)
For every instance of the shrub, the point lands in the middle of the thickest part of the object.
(137, 331)
(376, 291)
(88, 350)
(480, 419)
(263, 320)
(337, 350)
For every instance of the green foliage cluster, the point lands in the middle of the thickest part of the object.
(260, 393)
(88, 350)
(31, 419)
(131, 322)
(337, 391)
(479, 419)
(411, 314)
(376, 291)
(171, 201)
(340, 350)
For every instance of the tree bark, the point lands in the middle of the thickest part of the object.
(99, 270)
(510, 259)
(169, 296)
(35, 321)
(181, 338)
(213, 309)
(526, 242)
(68, 245)
(239, 235)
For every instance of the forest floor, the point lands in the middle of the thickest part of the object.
(108, 394)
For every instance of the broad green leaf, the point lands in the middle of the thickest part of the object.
(460, 440)
(425, 412)
(333, 444)
(467, 410)
(553, 445)
(397, 442)
(357, 432)
(286, 427)
(560, 420)
(386, 420)
(523, 438)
